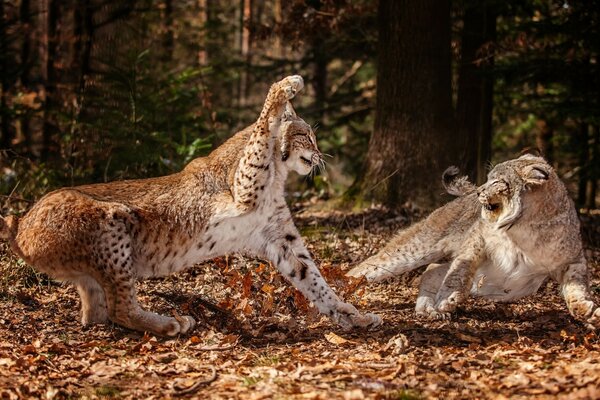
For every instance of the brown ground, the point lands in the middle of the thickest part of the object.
(257, 339)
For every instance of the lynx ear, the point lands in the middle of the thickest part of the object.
(289, 113)
(537, 174)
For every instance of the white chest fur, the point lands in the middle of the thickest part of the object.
(509, 272)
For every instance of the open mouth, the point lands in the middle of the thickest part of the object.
(491, 206)
(306, 161)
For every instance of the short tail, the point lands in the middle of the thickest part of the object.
(8, 227)
(455, 185)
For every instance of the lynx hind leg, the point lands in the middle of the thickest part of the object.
(431, 280)
(93, 301)
(410, 249)
(575, 289)
(117, 277)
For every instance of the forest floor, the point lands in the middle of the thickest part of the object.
(257, 339)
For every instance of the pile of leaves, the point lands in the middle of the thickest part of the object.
(257, 337)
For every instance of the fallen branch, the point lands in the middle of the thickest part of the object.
(177, 391)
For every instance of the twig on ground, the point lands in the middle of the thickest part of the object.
(177, 391)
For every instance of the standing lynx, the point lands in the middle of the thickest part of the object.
(104, 237)
(499, 241)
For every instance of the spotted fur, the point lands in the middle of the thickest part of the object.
(500, 241)
(104, 237)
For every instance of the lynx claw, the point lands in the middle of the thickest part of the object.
(434, 315)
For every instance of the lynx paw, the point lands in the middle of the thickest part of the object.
(425, 309)
(348, 317)
(292, 85)
(447, 304)
(433, 314)
(287, 88)
(593, 322)
(181, 325)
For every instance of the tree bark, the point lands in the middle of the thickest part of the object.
(583, 149)
(414, 134)
(475, 91)
(49, 127)
(168, 41)
(6, 133)
(25, 73)
(594, 173)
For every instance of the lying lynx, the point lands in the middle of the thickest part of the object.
(499, 241)
(104, 237)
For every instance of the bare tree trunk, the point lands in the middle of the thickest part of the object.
(25, 74)
(6, 133)
(278, 16)
(203, 17)
(167, 39)
(594, 174)
(475, 90)
(49, 127)
(544, 140)
(583, 147)
(319, 79)
(246, 16)
(414, 135)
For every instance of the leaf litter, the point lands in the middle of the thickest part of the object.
(258, 338)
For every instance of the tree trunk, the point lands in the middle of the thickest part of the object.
(25, 73)
(168, 41)
(583, 149)
(202, 36)
(475, 91)
(50, 128)
(319, 79)
(6, 134)
(246, 18)
(414, 134)
(544, 140)
(594, 173)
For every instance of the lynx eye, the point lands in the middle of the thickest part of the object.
(305, 160)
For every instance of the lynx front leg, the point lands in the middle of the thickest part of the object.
(254, 167)
(575, 290)
(431, 280)
(287, 251)
(459, 279)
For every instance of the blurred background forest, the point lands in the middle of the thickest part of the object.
(100, 90)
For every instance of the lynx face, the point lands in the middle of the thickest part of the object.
(298, 144)
(508, 187)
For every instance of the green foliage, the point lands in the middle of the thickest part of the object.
(149, 124)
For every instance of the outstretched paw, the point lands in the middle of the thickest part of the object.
(287, 88)
(348, 317)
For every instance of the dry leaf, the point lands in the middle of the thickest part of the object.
(336, 339)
